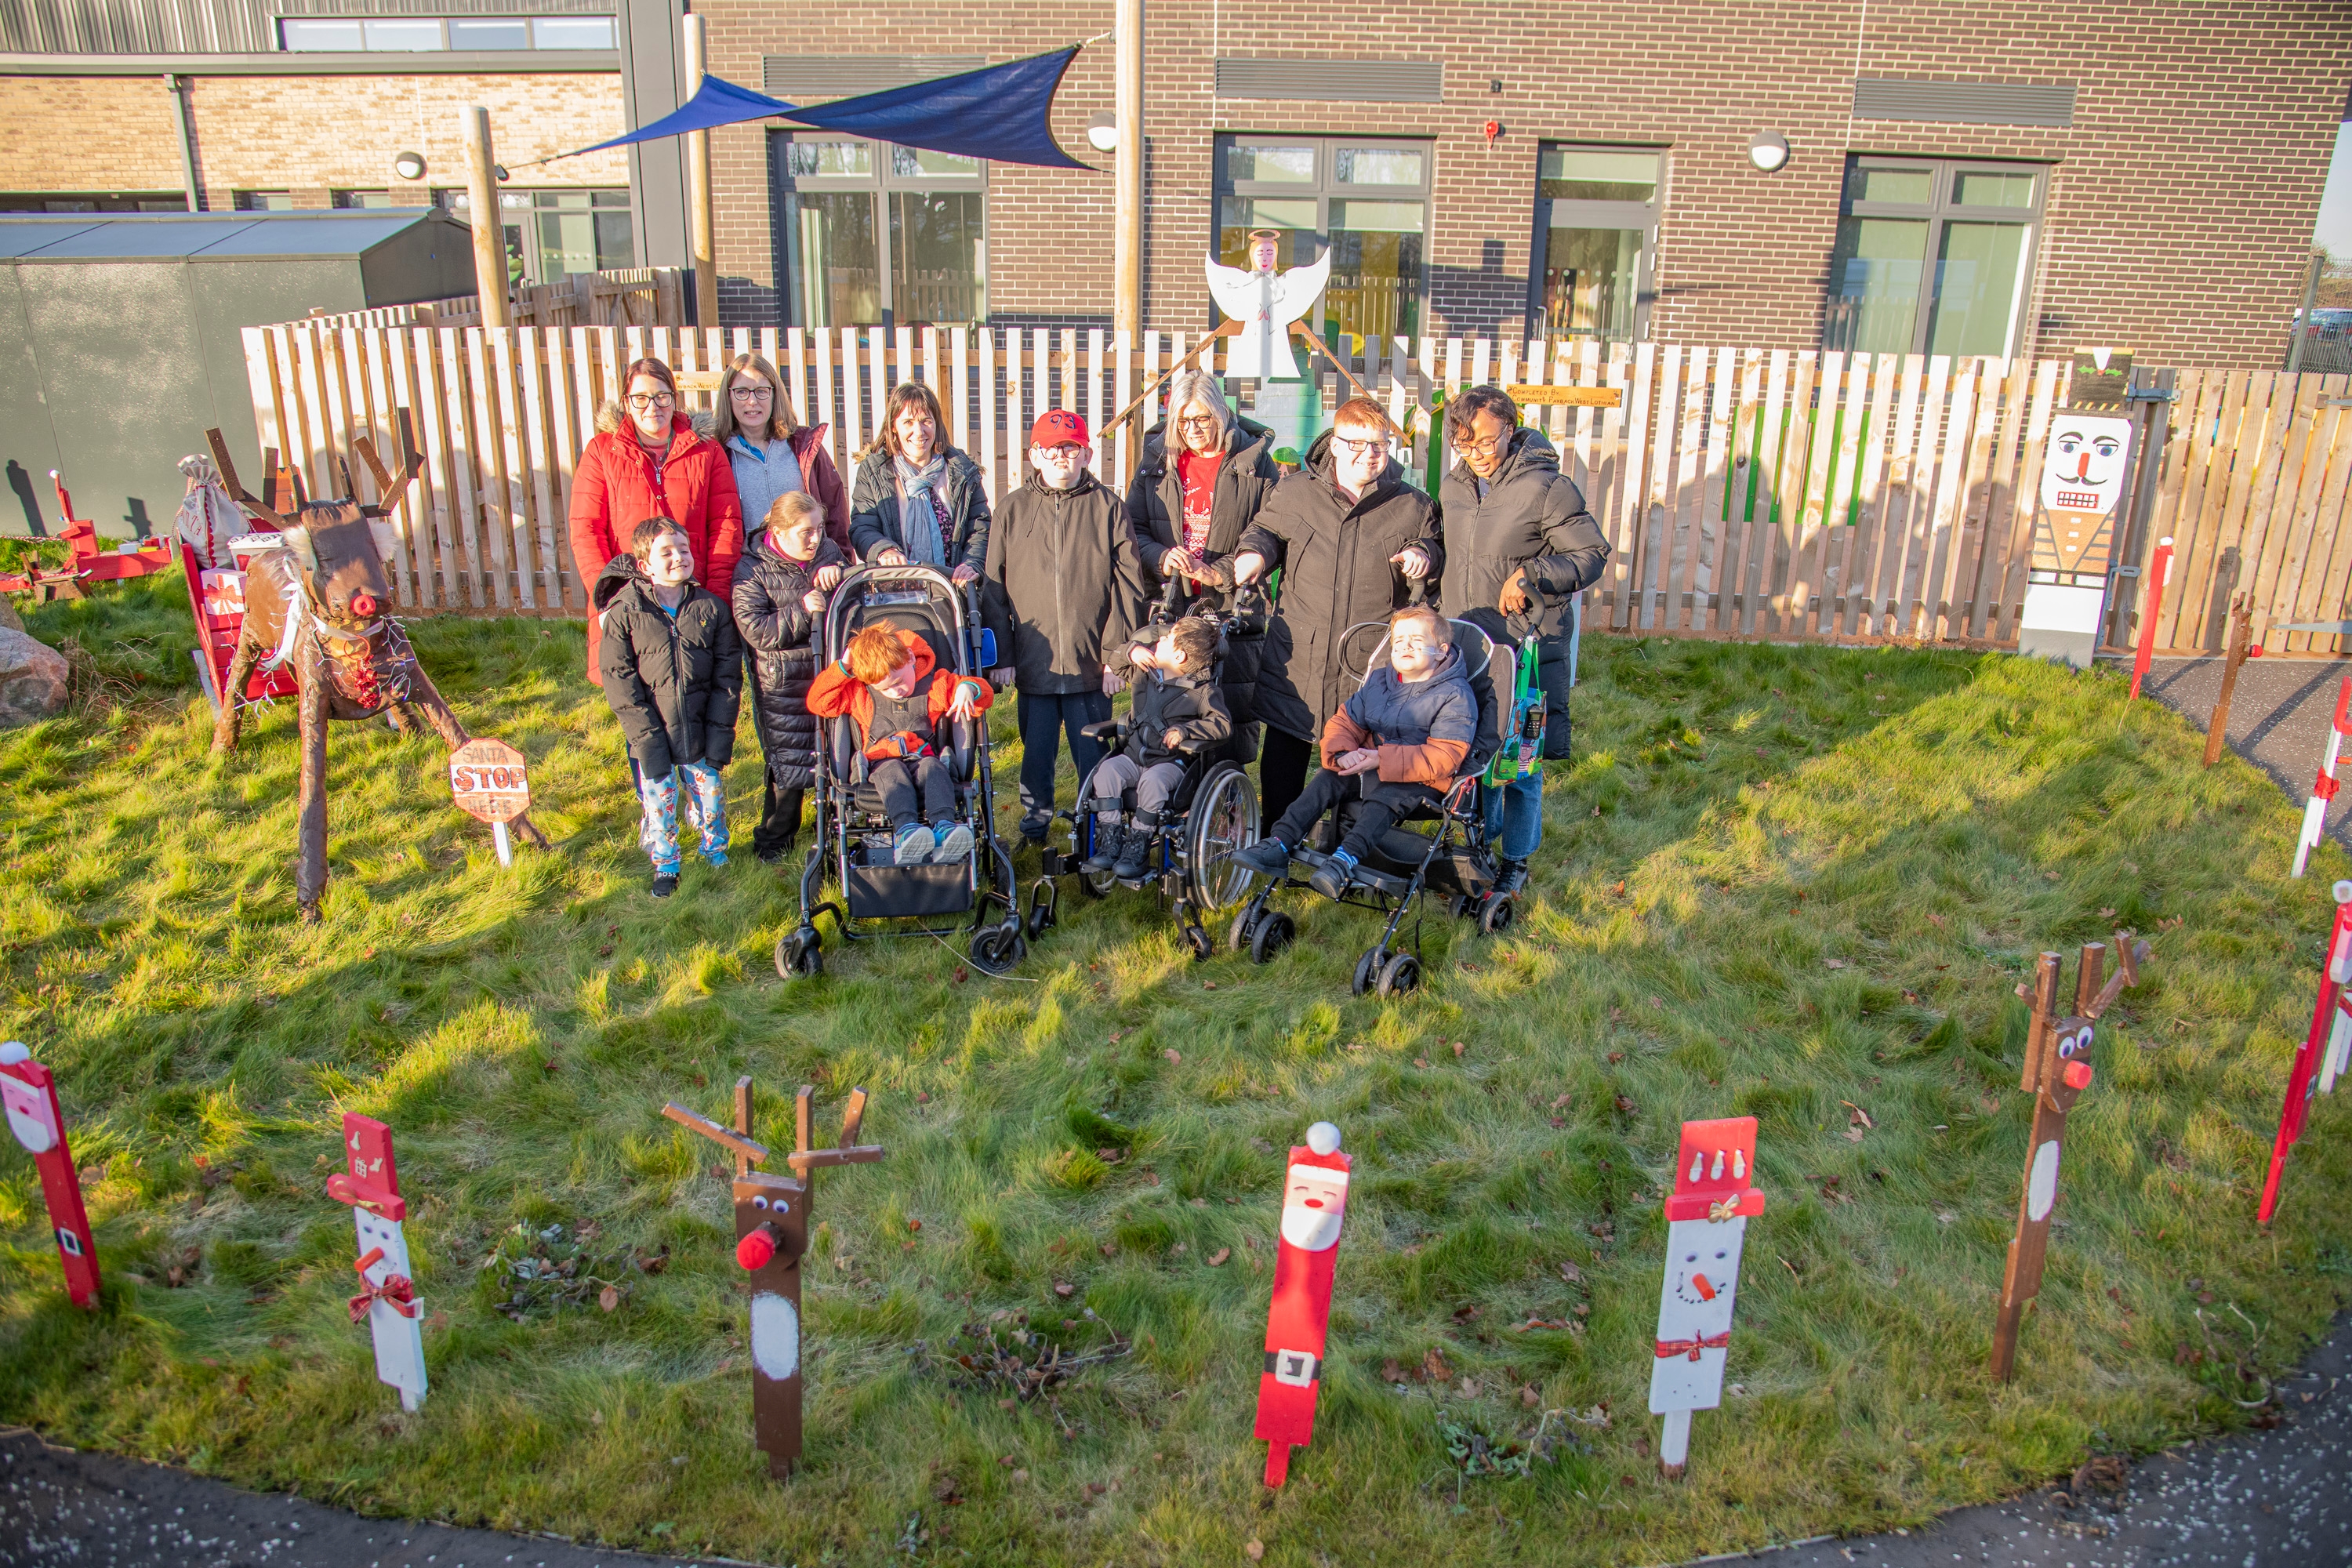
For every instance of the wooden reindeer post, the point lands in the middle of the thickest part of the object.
(772, 1231)
(317, 605)
(2057, 1071)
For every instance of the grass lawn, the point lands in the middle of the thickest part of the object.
(1778, 882)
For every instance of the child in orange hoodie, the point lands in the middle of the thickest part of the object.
(889, 682)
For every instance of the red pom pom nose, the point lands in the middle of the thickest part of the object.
(2078, 1075)
(755, 1250)
(363, 604)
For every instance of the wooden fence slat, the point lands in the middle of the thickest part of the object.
(1715, 513)
(2211, 578)
(2174, 486)
(1995, 400)
(1805, 580)
(1914, 603)
(538, 360)
(1685, 561)
(2274, 394)
(435, 387)
(2299, 396)
(2324, 596)
(1655, 534)
(489, 514)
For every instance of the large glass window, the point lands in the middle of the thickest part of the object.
(355, 34)
(1596, 233)
(552, 234)
(1932, 257)
(1366, 201)
(873, 234)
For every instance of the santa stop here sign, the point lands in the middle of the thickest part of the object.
(489, 780)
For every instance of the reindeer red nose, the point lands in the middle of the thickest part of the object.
(363, 604)
(1706, 1291)
(754, 1251)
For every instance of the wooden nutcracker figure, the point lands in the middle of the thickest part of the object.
(2322, 1054)
(772, 1231)
(1314, 1204)
(28, 1091)
(387, 1300)
(1706, 1225)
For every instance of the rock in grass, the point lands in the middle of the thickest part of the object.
(33, 680)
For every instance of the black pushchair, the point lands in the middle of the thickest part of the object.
(858, 841)
(1400, 868)
(1213, 813)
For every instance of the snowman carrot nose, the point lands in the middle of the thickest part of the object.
(1706, 1291)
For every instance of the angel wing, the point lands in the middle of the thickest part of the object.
(1234, 291)
(1295, 290)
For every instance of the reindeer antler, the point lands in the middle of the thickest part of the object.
(389, 487)
(236, 490)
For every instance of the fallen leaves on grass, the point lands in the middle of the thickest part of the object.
(1017, 1361)
(538, 1270)
(1217, 1258)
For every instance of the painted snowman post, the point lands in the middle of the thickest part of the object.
(387, 1301)
(771, 1230)
(1314, 1202)
(1706, 1224)
(28, 1091)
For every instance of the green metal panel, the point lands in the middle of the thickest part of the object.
(26, 444)
(230, 296)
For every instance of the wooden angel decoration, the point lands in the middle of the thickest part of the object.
(317, 605)
(772, 1231)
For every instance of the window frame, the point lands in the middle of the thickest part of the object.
(882, 180)
(1598, 213)
(519, 212)
(528, 21)
(1324, 189)
(1939, 211)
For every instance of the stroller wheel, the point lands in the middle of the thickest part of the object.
(1274, 933)
(1462, 906)
(1198, 940)
(999, 948)
(1400, 974)
(800, 954)
(1368, 969)
(1237, 935)
(1496, 915)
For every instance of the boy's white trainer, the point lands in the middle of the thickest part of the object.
(914, 845)
(954, 842)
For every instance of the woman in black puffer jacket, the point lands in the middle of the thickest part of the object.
(780, 587)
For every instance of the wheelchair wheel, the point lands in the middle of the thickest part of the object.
(1496, 915)
(1462, 906)
(1368, 971)
(1400, 974)
(1198, 940)
(800, 955)
(999, 948)
(1238, 934)
(1273, 933)
(1097, 884)
(1223, 818)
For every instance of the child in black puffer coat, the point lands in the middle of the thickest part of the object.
(780, 589)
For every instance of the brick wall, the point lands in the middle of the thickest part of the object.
(309, 136)
(2178, 221)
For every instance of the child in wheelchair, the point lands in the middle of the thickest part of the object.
(889, 682)
(1179, 712)
(1393, 747)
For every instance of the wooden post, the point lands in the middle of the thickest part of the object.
(1127, 222)
(490, 231)
(2242, 632)
(699, 237)
(2045, 1008)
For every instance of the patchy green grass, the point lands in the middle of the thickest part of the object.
(1775, 881)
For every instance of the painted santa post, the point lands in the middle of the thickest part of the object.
(1706, 1223)
(1314, 1202)
(387, 1300)
(2323, 789)
(29, 1093)
(2323, 1053)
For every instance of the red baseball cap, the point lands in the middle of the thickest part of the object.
(1056, 426)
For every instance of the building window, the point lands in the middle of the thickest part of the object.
(360, 35)
(1596, 231)
(1932, 257)
(265, 201)
(552, 234)
(1367, 201)
(84, 202)
(873, 234)
(369, 199)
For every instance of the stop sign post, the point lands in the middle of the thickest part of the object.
(490, 780)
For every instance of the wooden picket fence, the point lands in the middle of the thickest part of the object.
(1791, 496)
(625, 297)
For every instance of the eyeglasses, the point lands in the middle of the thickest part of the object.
(1485, 447)
(1363, 448)
(1197, 422)
(752, 391)
(641, 401)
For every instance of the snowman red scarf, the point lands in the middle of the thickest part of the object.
(1314, 1202)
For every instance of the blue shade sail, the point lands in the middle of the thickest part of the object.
(998, 112)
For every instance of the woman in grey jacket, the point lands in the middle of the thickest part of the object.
(917, 498)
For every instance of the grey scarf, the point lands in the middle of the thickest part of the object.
(922, 509)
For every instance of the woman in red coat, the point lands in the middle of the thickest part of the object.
(646, 460)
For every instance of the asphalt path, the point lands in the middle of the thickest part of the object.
(2274, 1499)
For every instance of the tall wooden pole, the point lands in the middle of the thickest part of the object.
(1127, 246)
(489, 224)
(701, 244)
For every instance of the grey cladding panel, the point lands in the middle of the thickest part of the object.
(1964, 102)
(813, 79)
(216, 27)
(1333, 80)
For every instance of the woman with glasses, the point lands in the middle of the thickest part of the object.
(647, 461)
(1205, 474)
(772, 453)
(916, 498)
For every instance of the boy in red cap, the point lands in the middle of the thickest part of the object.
(1065, 591)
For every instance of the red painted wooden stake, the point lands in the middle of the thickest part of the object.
(28, 1091)
(2331, 1033)
(2160, 572)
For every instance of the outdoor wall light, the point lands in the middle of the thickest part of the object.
(1102, 133)
(1768, 150)
(408, 165)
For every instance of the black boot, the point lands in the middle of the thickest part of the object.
(1109, 841)
(1510, 875)
(1140, 839)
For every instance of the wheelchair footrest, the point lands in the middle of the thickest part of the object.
(1364, 876)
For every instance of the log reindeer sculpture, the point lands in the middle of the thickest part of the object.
(317, 606)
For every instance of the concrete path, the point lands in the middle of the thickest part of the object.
(2279, 716)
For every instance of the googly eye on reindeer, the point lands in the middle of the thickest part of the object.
(317, 606)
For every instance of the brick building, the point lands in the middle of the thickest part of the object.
(1995, 177)
(213, 105)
